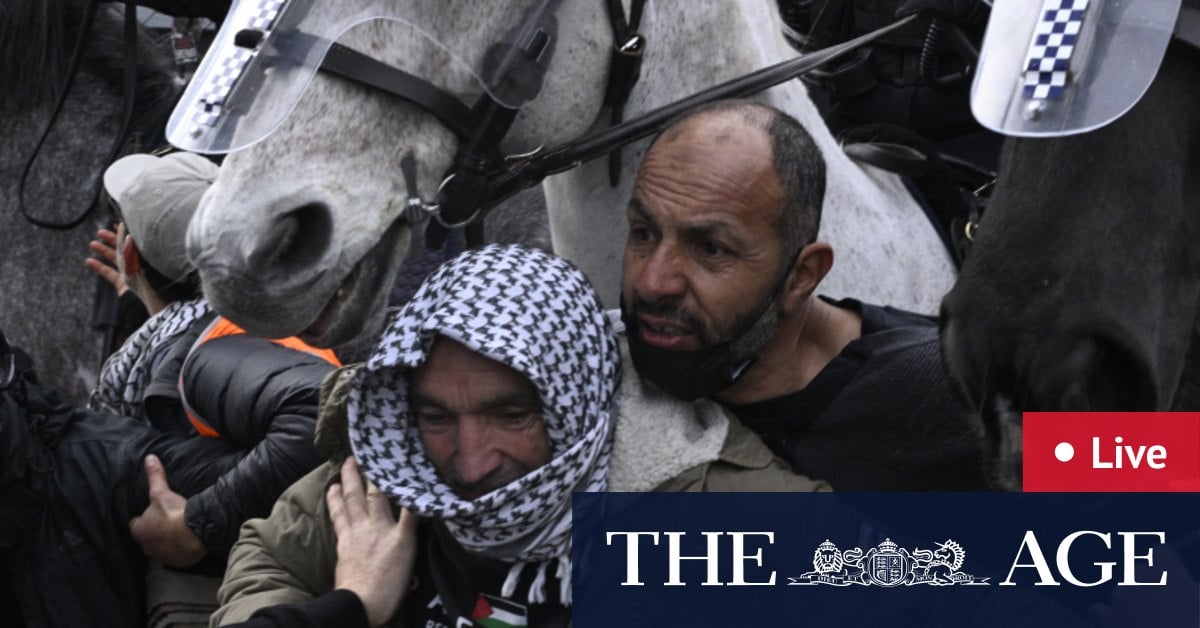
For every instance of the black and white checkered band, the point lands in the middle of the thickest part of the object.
(127, 373)
(1047, 64)
(230, 66)
(264, 14)
(537, 314)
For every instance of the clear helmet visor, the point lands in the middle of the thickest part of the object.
(267, 52)
(1059, 67)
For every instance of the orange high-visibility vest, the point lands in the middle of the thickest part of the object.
(220, 327)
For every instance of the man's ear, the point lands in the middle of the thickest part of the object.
(810, 267)
(130, 256)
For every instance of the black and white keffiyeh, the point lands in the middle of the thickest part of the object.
(539, 315)
(126, 373)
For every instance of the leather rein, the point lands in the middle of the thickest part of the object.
(482, 176)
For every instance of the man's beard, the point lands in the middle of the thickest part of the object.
(751, 333)
(748, 334)
(715, 366)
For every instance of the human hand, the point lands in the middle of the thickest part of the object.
(375, 552)
(105, 245)
(161, 530)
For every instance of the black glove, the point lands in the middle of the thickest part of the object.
(963, 12)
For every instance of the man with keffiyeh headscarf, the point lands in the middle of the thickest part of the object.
(496, 392)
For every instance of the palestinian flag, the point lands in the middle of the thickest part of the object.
(493, 612)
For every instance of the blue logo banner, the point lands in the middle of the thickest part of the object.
(872, 559)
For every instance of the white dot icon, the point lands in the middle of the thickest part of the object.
(1064, 452)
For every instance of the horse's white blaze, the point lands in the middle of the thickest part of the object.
(342, 145)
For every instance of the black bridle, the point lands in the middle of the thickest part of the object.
(481, 175)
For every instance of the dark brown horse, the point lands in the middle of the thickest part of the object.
(46, 294)
(1082, 291)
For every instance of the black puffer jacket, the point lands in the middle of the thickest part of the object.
(72, 478)
(261, 398)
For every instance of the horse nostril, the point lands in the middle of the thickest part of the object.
(1098, 374)
(296, 239)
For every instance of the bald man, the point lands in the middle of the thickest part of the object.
(721, 273)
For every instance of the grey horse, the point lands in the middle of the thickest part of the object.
(46, 293)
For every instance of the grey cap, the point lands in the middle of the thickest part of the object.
(158, 197)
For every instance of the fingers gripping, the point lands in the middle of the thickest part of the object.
(408, 527)
(350, 503)
(375, 551)
(337, 509)
(378, 507)
(156, 477)
(353, 499)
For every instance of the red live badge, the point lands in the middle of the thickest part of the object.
(1111, 451)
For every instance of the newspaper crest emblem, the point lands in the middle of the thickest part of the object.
(888, 565)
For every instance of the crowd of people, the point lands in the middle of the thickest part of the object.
(434, 479)
(724, 370)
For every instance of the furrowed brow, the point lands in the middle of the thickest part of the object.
(638, 209)
(514, 399)
(417, 399)
(711, 229)
(519, 399)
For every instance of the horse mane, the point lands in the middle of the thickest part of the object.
(50, 318)
(37, 38)
(30, 36)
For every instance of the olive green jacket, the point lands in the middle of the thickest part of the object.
(660, 443)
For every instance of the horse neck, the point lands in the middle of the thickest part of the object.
(1105, 223)
(39, 37)
(689, 37)
(694, 47)
(691, 47)
(72, 154)
(1143, 162)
